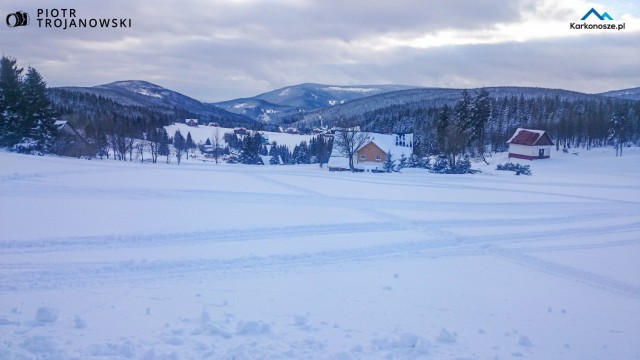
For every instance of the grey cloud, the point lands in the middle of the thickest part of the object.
(215, 50)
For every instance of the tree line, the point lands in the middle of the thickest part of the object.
(584, 122)
(250, 147)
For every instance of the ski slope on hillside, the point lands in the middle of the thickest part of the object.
(117, 260)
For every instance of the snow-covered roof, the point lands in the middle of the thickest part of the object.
(530, 137)
(60, 124)
(397, 144)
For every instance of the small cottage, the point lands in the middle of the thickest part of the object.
(241, 131)
(70, 142)
(530, 144)
(191, 122)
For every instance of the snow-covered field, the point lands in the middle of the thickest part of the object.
(114, 260)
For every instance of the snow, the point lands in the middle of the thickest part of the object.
(118, 260)
(350, 89)
(284, 92)
(146, 92)
(243, 106)
(201, 133)
(539, 132)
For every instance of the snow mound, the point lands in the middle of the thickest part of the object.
(252, 328)
(46, 315)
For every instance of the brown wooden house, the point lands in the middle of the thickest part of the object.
(371, 152)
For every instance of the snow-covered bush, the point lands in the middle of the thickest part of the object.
(517, 168)
(443, 166)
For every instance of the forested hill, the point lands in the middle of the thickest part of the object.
(629, 94)
(131, 100)
(301, 99)
(398, 102)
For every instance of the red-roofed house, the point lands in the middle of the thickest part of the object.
(530, 144)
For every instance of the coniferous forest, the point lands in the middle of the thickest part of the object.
(580, 121)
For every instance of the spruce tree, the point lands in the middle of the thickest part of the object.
(10, 102)
(179, 143)
(388, 162)
(250, 147)
(37, 113)
(164, 150)
(275, 160)
(481, 114)
(273, 151)
(402, 163)
(189, 144)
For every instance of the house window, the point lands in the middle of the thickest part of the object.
(378, 158)
(363, 157)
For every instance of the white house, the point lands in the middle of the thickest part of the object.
(530, 144)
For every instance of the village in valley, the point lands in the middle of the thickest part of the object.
(368, 151)
(379, 129)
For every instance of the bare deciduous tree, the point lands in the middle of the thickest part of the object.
(348, 141)
(217, 143)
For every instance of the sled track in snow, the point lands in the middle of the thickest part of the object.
(568, 272)
(430, 238)
(51, 276)
(189, 238)
(440, 243)
(436, 231)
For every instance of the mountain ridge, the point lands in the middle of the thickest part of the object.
(141, 93)
(301, 98)
(310, 104)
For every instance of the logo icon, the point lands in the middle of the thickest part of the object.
(18, 18)
(597, 14)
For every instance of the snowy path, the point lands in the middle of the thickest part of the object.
(102, 259)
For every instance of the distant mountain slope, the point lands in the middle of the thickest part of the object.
(422, 98)
(629, 94)
(302, 98)
(316, 96)
(136, 93)
(256, 109)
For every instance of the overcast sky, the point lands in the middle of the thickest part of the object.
(216, 50)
